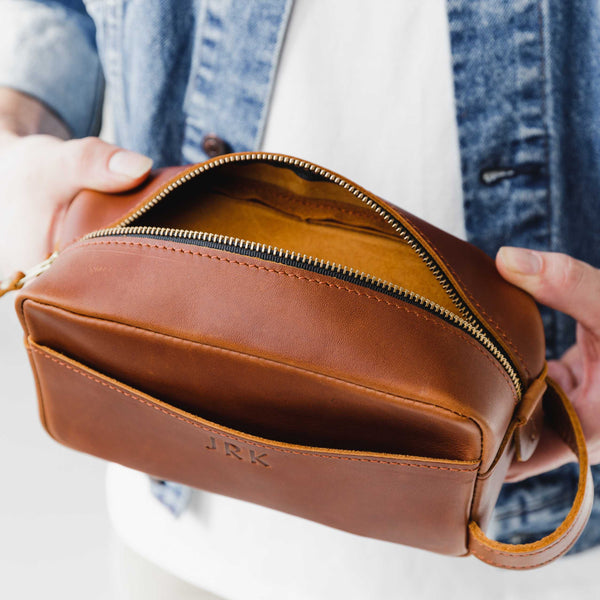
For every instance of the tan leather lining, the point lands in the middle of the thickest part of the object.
(306, 218)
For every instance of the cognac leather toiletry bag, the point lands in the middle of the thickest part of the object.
(263, 328)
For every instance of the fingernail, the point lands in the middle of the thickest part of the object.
(129, 164)
(520, 260)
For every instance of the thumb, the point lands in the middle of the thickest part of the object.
(556, 280)
(97, 165)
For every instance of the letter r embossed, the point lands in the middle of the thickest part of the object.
(243, 454)
(232, 450)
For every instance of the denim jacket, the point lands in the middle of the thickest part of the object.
(527, 91)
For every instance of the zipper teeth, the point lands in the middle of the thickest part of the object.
(421, 252)
(465, 320)
(215, 238)
(335, 268)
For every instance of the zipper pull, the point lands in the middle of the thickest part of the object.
(11, 283)
(20, 278)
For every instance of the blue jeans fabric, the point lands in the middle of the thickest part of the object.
(528, 511)
(527, 90)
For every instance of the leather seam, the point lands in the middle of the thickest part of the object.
(487, 559)
(301, 200)
(358, 386)
(36, 375)
(545, 548)
(38, 388)
(237, 438)
(437, 322)
(485, 555)
(465, 288)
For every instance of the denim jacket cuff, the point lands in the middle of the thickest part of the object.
(48, 51)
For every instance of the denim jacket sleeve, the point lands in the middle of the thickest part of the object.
(48, 50)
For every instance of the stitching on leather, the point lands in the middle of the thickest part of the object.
(437, 322)
(237, 438)
(281, 364)
(466, 289)
(299, 200)
(521, 568)
(38, 389)
(542, 549)
(485, 555)
(500, 329)
(574, 527)
(491, 320)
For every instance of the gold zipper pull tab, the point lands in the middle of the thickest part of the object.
(19, 279)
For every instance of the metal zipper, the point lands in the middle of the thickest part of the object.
(296, 162)
(19, 279)
(464, 320)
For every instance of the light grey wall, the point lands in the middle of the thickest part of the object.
(54, 530)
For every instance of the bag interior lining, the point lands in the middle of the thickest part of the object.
(275, 206)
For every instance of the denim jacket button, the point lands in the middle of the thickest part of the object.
(213, 145)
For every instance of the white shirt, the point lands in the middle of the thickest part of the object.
(366, 92)
(369, 94)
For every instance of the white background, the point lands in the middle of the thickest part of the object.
(54, 529)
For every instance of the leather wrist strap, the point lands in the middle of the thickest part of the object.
(563, 419)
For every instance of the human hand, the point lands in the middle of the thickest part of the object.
(39, 173)
(573, 287)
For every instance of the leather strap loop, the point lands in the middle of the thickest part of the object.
(563, 419)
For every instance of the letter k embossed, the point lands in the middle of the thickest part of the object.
(254, 458)
(229, 449)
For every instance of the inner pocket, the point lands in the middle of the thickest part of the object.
(259, 396)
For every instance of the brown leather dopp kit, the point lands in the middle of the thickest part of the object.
(260, 327)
